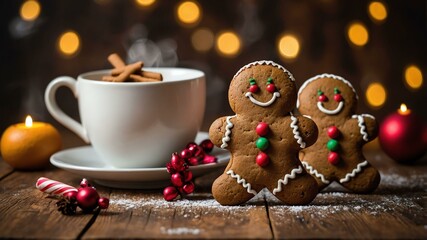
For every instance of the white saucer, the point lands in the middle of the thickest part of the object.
(85, 162)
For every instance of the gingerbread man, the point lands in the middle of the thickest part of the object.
(264, 138)
(331, 101)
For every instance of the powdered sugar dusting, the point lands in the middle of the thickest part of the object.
(180, 231)
(202, 200)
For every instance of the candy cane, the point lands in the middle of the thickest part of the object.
(47, 185)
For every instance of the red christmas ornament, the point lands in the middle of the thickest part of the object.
(333, 158)
(170, 193)
(262, 159)
(103, 203)
(333, 132)
(87, 198)
(71, 195)
(403, 136)
(262, 129)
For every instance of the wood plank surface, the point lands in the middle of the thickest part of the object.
(148, 215)
(396, 210)
(25, 212)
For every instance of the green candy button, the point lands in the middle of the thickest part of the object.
(333, 145)
(262, 143)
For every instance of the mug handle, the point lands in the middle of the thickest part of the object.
(56, 112)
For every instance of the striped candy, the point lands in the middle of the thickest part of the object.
(47, 185)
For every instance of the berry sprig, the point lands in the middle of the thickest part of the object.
(178, 168)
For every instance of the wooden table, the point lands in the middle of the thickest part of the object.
(396, 210)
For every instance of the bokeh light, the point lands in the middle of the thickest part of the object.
(413, 77)
(358, 34)
(376, 94)
(189, 13)
(288, 46)
(30, 10)
(69, 43)
(202, 39)
(145, 3)
(377, 11)
(228, 44)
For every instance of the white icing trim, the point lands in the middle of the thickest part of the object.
(362, 126)
(242, 181)
(330, 112)
(265, 62)
(325, 75)
(227, 133)
(263, 104)
(355, 171)
(296, 133)
(286, 178)
(314, 172)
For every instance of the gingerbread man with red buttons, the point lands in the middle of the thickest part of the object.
(331, 102)
(264, 138)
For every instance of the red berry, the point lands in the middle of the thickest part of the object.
(209, 159)
(192, 147)
(322, 98)
(87, 198)
(207, 145)
(177, 162)
(103, 203)
(253, 88)
(333, 158)
(188, 175)
(271, 88)
(170, 193)
(186, 153)
(333, 132)
(71, 195)
(177, 180)
(188, 188)
(262, 159)
(262, 129)
(193, 161)
(338, 97)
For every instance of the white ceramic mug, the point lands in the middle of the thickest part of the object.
(134, 124)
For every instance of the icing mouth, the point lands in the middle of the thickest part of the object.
(263, 104)
(330, 112)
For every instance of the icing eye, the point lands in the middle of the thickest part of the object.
(321, 96)
(271, 88)
(253, 88)
(337, 95)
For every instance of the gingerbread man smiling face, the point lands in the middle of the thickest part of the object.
(331, 102)
(264, 138)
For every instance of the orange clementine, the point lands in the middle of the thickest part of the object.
(29, 148)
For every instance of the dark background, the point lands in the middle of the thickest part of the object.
(30, 58)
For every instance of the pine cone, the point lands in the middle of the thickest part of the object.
(67, 206)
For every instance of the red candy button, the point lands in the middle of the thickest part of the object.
(262, 129)
(262, 159)
(333, 132)
(333, 158)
